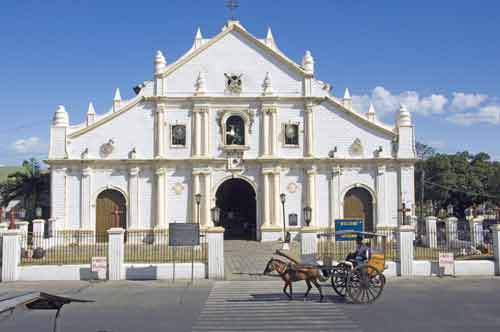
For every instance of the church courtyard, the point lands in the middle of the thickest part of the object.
(407, 305)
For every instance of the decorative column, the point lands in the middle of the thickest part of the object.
(116, 254)
(265, 200)
(431, 230)
(308, 110)
(265, 132)
(334, 194)
(406, 236)
(196, 190)
(206, 132)
(477, 232)
(85, 198)
(197, 132)
(206, 220)
(11, 255)
(451, 230)
(277, 217)
(160, 130)
(38, 232)
(133, 189)
(381, 218)
(311, 194)
(275, 131)
(160, 198)
(496, 247)
(215, 239)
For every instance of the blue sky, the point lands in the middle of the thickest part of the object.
(439, 57)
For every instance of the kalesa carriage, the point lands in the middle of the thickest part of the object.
(359, 282)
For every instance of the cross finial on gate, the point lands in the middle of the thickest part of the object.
(232, 5)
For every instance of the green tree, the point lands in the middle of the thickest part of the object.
(32, 185)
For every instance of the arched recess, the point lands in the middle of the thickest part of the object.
(358, 203)
(236, 197)
(107, 202)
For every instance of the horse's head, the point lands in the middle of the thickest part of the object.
(270, 267)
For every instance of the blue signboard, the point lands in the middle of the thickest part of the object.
(348, 225)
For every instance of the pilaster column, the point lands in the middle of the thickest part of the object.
(275, 132)
(265, 200)
(311, 194)
(206, 132)
(265, 132)
(334, 194)
(380, 182)
(133, 189)
(309, 146)
(206, 220)
(116, 254)
(196, 190)
(160, 198)
(277, 213)
(160, 130)
(197, 132)
(85, 192)
(406, 236)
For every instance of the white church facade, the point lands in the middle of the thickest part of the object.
(239, 123)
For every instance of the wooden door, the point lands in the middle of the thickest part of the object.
(358, 205)
(107, 202)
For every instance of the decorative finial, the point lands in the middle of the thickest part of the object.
(117, 100)
(198, 39)
(133, 153)
(308, 63)
(371, 113)
(200, 85)
(232, 5)
(61, 118)
(160, 62)
(347, 101)
(404, 116)
(267, 85)
(270, 39)
(90, 114)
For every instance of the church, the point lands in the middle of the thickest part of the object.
(234, 124)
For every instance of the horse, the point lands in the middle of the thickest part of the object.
(291, 273)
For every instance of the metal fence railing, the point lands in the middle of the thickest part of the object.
(63, 247)
(151, 246)
(464, 244)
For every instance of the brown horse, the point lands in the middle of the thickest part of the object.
(290, 272)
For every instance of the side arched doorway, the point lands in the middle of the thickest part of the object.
(236, 199)
(108, 202)
(358, 204)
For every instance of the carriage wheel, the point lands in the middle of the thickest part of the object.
(365, 284)
(339, 279)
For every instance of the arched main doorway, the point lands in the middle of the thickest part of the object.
(236, 199)
(358, 204)
(108, 202)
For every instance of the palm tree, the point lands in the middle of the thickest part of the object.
(32, 185)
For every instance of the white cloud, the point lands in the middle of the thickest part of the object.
(28, 145)
(386, 102)
(437, 144)
(487, 114)
(462, 101)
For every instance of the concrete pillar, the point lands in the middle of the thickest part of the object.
(311, 194)
(406, 236)
(160, 198)
(265, 200)
(85, 193)
(308, 245)
(22, 226)
(431, 230)
(477, 232)
(309, 131)
(334, 195)
(496, 247)
(265, 132)
(451, 230)
(133, 189)
(116, 254)
(38, 232)
(11, 255)
(215, 238)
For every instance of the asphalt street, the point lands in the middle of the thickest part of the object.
(424, 304)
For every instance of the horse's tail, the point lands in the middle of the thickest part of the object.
(323, 275)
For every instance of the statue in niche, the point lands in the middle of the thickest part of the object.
(235, 131)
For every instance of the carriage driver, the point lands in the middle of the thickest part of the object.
(362, 253)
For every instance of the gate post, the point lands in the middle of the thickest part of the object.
(116, 254)
(215, 239)
(11, 255)
(38, 232)
(308, 244)
(496, 247)
(451, 231)
(477, 231)
(431, 230)
(406, 236)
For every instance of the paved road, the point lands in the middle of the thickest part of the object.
(429, 304)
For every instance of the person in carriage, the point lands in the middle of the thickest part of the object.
(362, 253)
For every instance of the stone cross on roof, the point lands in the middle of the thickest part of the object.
(232, 5)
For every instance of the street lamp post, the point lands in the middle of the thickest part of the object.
(307, 215)
(285, 242)
(197, 197)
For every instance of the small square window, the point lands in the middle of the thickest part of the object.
(291, 134)
(178, 135)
